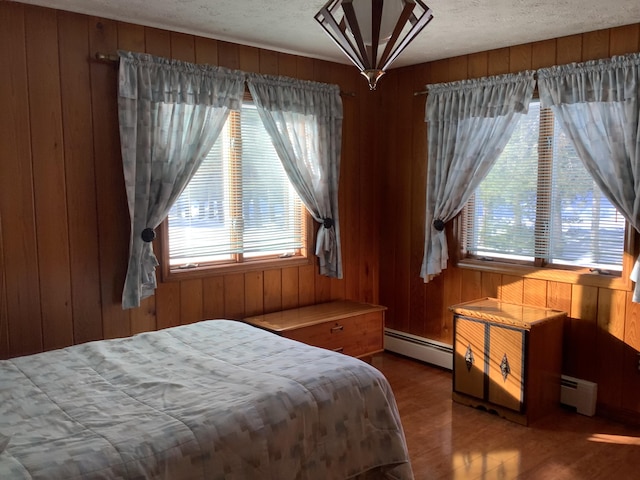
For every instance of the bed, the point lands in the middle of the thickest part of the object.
(217, 399)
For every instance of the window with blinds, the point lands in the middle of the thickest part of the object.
(539, 204)
(239, 206)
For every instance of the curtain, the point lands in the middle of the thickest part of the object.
(469, 124)
(596, 104)
(304, 120)
(170, 114)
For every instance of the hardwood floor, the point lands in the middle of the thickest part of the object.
(447, 440)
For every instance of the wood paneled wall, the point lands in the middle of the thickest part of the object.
(602, 339)
(64, 227)
(64, 221)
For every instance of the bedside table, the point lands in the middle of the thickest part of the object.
(352, 328)
(507, 358)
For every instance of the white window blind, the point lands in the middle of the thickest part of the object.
(240, 204)
(539, 204)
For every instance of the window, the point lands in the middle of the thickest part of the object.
(239, 208)
(539, 206)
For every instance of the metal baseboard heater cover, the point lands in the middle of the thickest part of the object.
(574, 392)
(420, 348)
(580, 394)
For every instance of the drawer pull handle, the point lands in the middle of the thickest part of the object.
(337, 328)
(339, 350)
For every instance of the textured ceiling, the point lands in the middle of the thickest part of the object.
(459, 27)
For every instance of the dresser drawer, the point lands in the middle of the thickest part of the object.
(357, 335)
(353, 328)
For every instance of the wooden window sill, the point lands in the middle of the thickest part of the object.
(576, 277)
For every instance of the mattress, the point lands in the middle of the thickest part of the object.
(217, 399)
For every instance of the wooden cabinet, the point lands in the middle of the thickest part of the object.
(353, 328)
(507, 358)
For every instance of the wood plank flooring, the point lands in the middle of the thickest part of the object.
(447, 440)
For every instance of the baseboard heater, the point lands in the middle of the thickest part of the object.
(420, 348)
(580, 394)
(574, 392)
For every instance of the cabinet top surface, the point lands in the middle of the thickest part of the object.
(312, 314)
(494, 310)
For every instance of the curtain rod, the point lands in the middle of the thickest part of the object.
(105, 57)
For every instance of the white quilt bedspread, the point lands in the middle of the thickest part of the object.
(217, 399)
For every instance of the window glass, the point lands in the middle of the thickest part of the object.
(240, 205)
(539, 204)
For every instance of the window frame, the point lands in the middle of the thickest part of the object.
(550, 272)
(267, 262)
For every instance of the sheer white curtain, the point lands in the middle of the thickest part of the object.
(469, 124)
(304, 120)
(170, 114)
(596, 103)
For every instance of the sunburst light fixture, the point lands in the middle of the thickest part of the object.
(372, 33)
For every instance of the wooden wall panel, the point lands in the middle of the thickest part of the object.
(290, 286)
(609, 347)
(593, 347)
(580, 336)
(49, 177)
(631, 359)
(17, 207)
(511, 289)
(112, 212)
(213, 297)
(418, 189)
(168, 304)
(50, 300)
(535, 292)
(4, 320)
(543, 54)
(64, 256)
(272, 290)
(191, 304)
(624, 39)
(234, 296)
(478, 65)
(75, 85)
(388, 191)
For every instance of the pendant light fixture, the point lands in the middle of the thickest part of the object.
(372, 33)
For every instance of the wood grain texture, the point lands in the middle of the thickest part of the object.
(16, 195)
(75, 296)
(623, 40)
(543, 54)
(48, 164)
(191, 304)
(112, 212)
(447, 440)
(582, 338)
(4, 320)
(609, 346)
(75, 85)
(520, 57)
(213, 297)
(253, 293)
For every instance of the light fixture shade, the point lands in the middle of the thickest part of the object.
(372, 33)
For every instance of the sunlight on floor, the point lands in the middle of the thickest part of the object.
(470, 465)
(617, 439)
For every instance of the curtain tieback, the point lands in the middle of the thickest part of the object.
(438, 225)
(327, 222)
(148, 235)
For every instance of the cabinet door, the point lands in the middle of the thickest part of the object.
(469, 357)
(506, 367)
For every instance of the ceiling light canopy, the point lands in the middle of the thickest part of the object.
(372, 33)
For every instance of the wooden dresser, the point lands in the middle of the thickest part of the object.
(507, 358)
(353, 328)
